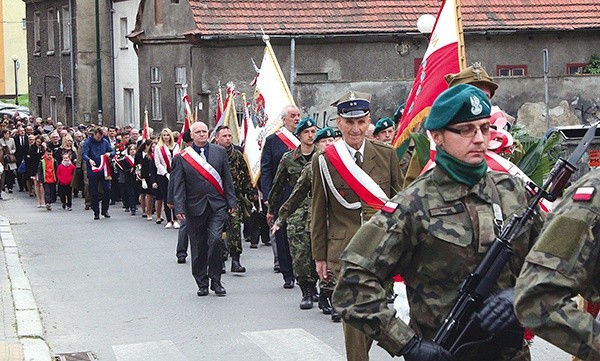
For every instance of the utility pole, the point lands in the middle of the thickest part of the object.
(98, 63)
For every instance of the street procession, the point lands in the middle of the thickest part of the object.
(344, 180)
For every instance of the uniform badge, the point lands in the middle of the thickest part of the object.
(389, 207)
(584, 194)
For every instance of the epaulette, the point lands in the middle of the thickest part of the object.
(380, 144)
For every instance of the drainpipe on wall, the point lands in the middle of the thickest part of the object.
(72, 65)
(292, 65)
(98, 63)
(112, 59)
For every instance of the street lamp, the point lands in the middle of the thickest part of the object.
(425, 24)
(15, 59)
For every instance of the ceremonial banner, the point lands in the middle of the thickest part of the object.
(146, 132)
(271, 94)
(444, 55)
(230, 120)
(187, 122)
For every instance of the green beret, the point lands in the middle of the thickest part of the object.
(338, 133)
(382, 124)
(327, 132)
(458, 104)
(304, 123)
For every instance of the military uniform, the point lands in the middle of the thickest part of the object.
(243, 192)
(288, 172)
(563, 263)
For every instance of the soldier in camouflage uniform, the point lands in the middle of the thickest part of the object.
(243, 192)
(288, 172)
(565, 262)
(301, 199)
(434, 234)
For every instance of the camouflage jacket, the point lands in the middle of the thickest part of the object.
(434, 239)
(241, 178)
(288, 172)
(299, 199)
(565, 262)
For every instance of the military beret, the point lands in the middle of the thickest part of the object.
(327, 132)
(338, 133)
(304, 123)
(382, 124)
(353, 104)
(458, 104)
(472, 75)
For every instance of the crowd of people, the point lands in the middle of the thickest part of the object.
(344, 215)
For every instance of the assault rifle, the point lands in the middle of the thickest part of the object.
(460, 333)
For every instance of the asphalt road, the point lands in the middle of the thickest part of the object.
(113, 287)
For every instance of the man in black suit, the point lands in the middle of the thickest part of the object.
(276, 145)
(203, 194)
(22, 148)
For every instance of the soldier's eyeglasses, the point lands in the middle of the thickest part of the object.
(471, 131)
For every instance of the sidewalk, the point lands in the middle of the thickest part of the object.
(22, 337)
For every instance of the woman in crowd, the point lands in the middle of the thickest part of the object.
(129, 173)
(148, 175)
(164, 152)
(36, 151)
(10, 162)
(68, 147)
(27, 158)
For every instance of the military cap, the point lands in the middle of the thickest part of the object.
(382, 124)
(304, 123)
(472, 75)
(326, 132)
(458, 104)
(338, 133)
(353, 104)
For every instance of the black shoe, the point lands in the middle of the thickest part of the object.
(96, 217)
(180, 259)
(223, 269)
(324, 303)
(202, 291)
(252, 245)
(236, 266)
(335, 316)
(267, 243)
(87, 208)
(288, 284)
(10, 190)
(247, 239)
(112, 203)
(306, 303)
(314, 294)
(276, 268)
(218, 288)
(106, 215)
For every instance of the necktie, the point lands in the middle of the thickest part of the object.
(358, 158)
(202, 153)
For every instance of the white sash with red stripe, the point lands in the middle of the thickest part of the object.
(288, 138)
(361, 183)
(104, 166)
(204, 168)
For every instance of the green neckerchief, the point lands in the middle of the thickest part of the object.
(459, 171)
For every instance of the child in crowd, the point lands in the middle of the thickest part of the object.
(47, 176)
(64, 173)
(129, 172)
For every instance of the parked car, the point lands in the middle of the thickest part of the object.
(11, 109)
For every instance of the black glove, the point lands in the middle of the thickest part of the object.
(498, 311)
(418, 349)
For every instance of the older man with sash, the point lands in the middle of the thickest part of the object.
(203, 194)
(353, 178)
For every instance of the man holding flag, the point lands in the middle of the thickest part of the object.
(353, 178)
(276, 144)
(97, 153)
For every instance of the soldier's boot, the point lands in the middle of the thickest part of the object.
(324, 303)
(314, 292)
(335, 316)
(306, 303)
(236, 266)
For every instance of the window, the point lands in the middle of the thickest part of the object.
(65, 26)
(416, 65)
(53, 108)
(50, 21)
(180, 81)
(154, 75)
(123, 34)
(511, 70)
(128, 105)
(24, 24)
(575, 68)
(158, 12)
(37, 43)
(40, 103)
(156, 103)
(174, 1)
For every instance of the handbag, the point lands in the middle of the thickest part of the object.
(22, 167)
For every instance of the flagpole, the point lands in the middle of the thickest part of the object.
(462, 52)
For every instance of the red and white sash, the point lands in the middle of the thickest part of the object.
(165, 156)
(104, 166)
(204, 168)
(361, 183)
(288, 138)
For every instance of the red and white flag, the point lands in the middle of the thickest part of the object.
(146, 132)
(444, 55)
(188, 120)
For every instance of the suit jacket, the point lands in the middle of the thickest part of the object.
(333, 225)
(192, 192)
(269, 161)
(22, 148)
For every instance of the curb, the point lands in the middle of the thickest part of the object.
(30, 330)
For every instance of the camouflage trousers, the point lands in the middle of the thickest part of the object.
(234, 234)
(298, 232)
